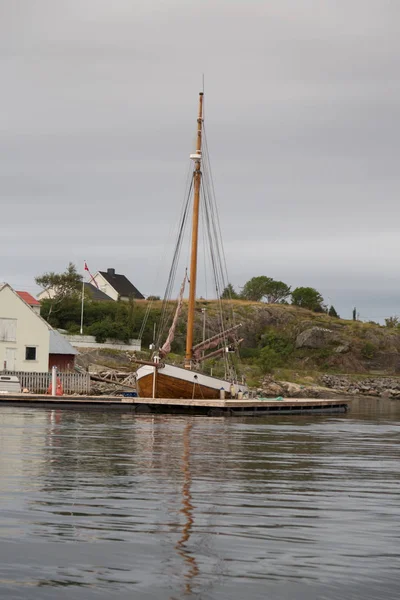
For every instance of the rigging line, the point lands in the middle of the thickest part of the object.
(203, 227)
(216, 244)
(183, 206)
(214, 216)
(178, 245)
(216, 262)
(213, 262)
(213, 193)
(145, 319)
(224, 270)
(164, 312)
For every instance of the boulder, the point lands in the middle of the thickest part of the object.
(293, 390)
(316, 337)
(342, 348)
(271, 388)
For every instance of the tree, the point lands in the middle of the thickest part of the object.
(277, 292)
(261, 287)
(392, 322)
(332, 312)
(60, 286)
(308, 297)
(229, 293)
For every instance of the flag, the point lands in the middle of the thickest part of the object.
(86, 268)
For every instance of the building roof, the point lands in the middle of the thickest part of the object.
(28, 298)
(94, 292)
(121, 284)
(59, 345)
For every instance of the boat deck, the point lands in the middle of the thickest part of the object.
(244, 407)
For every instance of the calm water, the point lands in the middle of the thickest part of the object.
(109, 505)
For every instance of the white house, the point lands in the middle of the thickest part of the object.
(116, 286)
(91, 291)
(33, 303)
(28, 342)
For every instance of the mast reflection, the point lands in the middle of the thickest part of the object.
(187, 511)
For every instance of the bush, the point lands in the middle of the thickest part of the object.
(368, 350)
(281, 344)
(249, 352)
(269, 359)
(308, 297)
(392, 322)
(275, 350)
(109, 329)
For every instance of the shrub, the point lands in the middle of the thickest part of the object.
(109, 329)
(269, 359)
(368, 350)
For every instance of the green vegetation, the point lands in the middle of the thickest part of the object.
(332, 312)
(368, 350)
(60, 286)
(229, 293)
(308, 297)
(116, 320)
(392, 322)
(301, 338)
(270, 332)
(261, 287)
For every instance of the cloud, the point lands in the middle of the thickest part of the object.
(99, 102)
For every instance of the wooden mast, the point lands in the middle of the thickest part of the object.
(195, 232)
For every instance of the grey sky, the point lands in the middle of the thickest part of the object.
(97, 119)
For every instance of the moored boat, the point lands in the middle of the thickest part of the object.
(157, 378)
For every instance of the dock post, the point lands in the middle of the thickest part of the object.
(54, 381)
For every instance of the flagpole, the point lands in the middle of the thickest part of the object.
(83, 299)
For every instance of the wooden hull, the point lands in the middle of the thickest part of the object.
(176, 382)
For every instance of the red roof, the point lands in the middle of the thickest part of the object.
(28, 298)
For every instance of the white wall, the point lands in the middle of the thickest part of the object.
(89, 341)
(31, 330)
(46, 294)
(105, 287)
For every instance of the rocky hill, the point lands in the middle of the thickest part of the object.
(284, 342)
(283, 336)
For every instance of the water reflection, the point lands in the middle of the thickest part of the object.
(169, 507)
(187, 512)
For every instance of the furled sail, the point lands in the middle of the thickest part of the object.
(213, 341)
(166, 348)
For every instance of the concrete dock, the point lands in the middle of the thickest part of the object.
(243, 407)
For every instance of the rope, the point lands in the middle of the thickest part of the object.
(165, 311)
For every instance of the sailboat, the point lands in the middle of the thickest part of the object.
(157, 378)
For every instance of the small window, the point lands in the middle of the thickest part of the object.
(30, 353)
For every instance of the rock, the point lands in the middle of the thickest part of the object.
(316, 337)
(293, 390)
(273, 389)
(270, 387)
(385, 387)
(342, 348)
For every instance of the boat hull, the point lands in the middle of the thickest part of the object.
(169, 381)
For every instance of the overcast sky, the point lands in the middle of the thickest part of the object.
(98, 116)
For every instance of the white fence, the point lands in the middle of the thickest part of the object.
(38, 383)
(89, 341)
